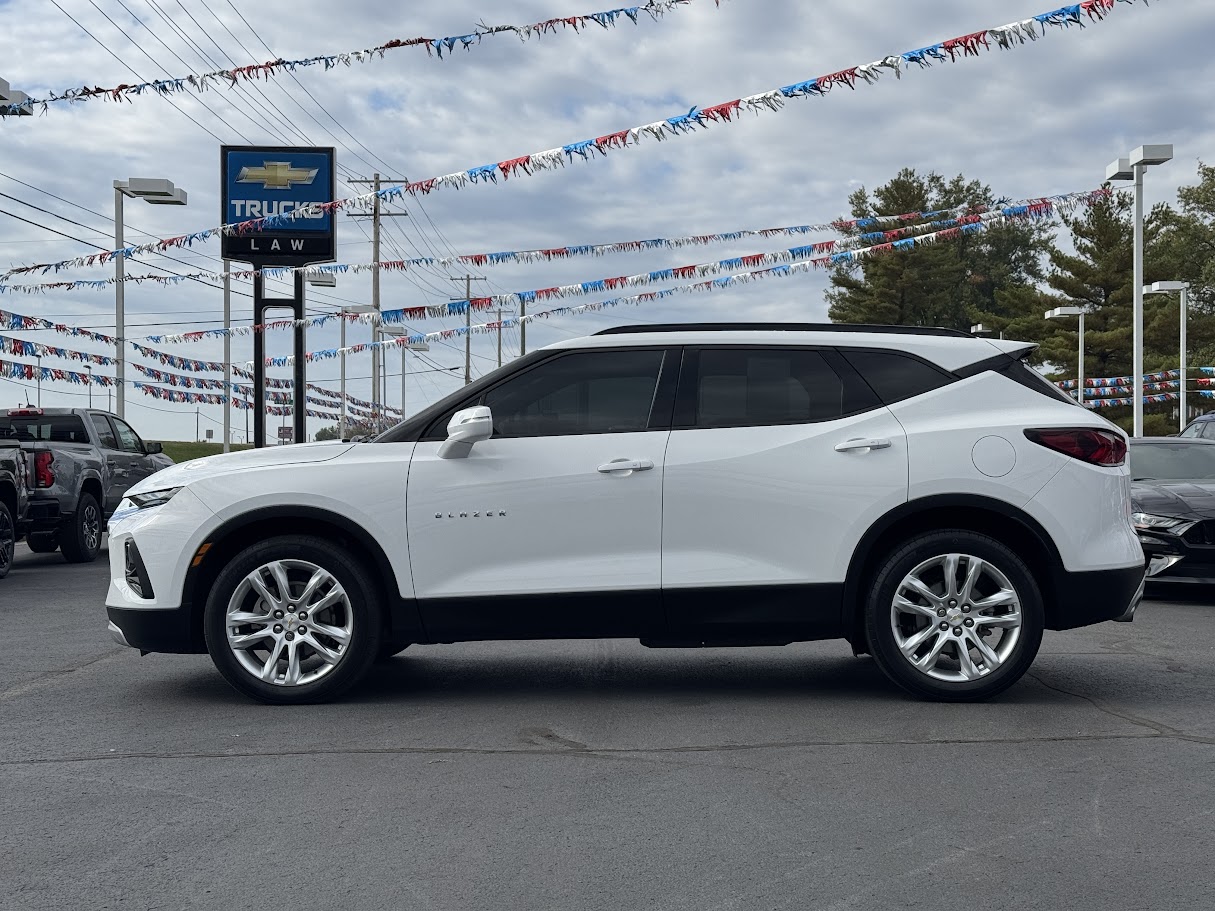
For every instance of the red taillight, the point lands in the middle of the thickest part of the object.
(43, 476)
(1097, 447)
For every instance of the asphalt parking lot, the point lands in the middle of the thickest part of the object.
(601, 775)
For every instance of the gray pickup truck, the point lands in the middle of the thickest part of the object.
(14, 500)
(83, 462)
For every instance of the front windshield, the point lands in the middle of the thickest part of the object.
(1172, 462)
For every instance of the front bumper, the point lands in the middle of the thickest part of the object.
(1176, 559)
(172, 631)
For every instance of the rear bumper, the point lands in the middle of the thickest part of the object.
(43, 515)
(1083, 599)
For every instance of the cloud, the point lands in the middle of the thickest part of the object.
(1044, 118)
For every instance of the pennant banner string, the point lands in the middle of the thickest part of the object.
(201, 82)
(897, 239)
(1065, 202)
(1005, 37)
(849, 258)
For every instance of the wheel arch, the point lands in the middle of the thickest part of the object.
(1002, 521)
(241, 531)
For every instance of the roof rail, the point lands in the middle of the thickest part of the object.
(785, 327)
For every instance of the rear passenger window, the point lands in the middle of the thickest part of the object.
(749, 387)
(104, 433)
(895, 377)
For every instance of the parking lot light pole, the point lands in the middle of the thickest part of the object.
(1132, 168)
(156, 191)
(1169, 288)
(402, 332)
(1063, 313)
(357, 308)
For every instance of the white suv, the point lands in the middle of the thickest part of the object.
(920, 493)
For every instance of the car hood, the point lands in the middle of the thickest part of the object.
(247, 460)
(1188, 499)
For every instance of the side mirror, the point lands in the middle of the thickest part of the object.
(154, 448)
(472, 425)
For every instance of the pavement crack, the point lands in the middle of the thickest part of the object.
(594, 752)
(1156, 726)
(38, 682)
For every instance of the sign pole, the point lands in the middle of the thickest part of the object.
(301, 349)
(259, 361)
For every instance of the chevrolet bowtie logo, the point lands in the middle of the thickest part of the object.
(277, 175)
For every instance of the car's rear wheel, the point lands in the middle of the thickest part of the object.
(954, 616)
(294, 619)
(80, 538)
(8, 540)
(42, 543)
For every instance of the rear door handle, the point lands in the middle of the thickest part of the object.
(859, 444)
(621, 465)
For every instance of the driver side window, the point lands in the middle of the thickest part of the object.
(127, 437)
(608, 391)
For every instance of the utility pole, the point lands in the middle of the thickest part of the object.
(376, 215)
(522, 328)
(197, 435)
(468, 280)
(39, 378)
(499, 336)
(89, 368)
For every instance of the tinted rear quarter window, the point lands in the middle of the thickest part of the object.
(895, 376)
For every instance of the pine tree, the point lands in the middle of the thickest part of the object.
(952, 283)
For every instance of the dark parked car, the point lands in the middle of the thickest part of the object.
(14, 500)
(83, 463)
(1173, 498)
(1202, 427)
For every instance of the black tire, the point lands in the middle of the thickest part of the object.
(1018, 653)
(42, 543)
(8, 539)
(80, 538)
(365, 619)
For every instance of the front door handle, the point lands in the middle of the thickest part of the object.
(859, 444)
(623, 465)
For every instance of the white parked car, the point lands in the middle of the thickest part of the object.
(920, 493)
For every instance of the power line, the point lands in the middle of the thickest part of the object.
(133, 71)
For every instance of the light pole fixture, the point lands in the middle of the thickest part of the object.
(14, 103)
(356, 308)
(1064, 313)
(1169, 288)
(1132, 168)
(158, 192)
(402, 332)
(979, 329)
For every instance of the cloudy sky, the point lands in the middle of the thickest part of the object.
(1040, 120)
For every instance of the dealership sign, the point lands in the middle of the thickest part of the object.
(264, 181)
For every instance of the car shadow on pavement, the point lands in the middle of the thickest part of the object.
(428, 677)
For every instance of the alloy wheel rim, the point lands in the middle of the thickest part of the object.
(92, 528)
(289, 623)
(956, 618)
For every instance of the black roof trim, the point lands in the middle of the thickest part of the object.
(785, 327)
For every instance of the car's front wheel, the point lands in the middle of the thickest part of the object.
(954, 616)
(294, 619)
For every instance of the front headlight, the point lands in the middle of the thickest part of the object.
(151, 498)
(1147, 522)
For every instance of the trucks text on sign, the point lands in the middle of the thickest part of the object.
(264, 181)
